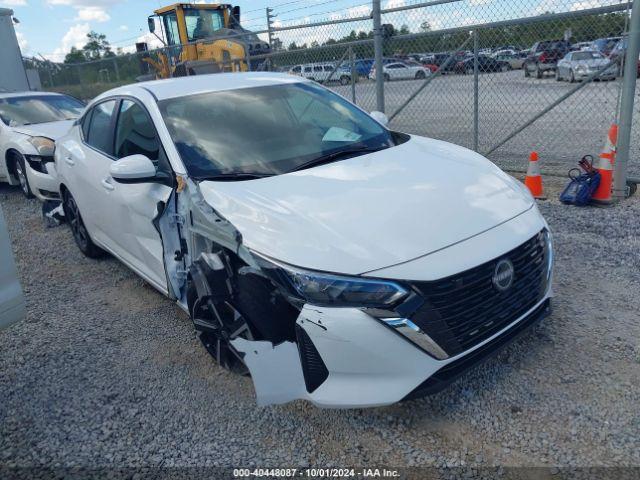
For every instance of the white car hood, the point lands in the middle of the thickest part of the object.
(52, 130)
(372, 211)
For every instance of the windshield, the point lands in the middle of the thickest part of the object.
(202, 23)
(586, 55)
(19, 111)
(266, 130)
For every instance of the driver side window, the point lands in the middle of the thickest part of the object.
(135, 133)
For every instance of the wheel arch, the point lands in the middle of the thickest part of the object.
(11, 155)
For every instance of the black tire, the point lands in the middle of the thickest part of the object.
(345, 80)
(78, 229)
(20, 170)
(558, 78)
(469, 71)
(505, 67)
(420, 75)
(526, 70)
(572, 78)
(386, 77)
(538, 72)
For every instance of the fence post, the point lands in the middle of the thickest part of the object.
(475, 90)
(377, 45)
(116, 69)
(352, 59)
(626, 105)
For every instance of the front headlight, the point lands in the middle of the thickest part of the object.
(45, 146)
(331, 290)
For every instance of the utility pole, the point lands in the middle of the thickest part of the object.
(377, 45)
(270, 20)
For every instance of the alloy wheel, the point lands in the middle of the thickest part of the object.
(229, 325)
(22, 178)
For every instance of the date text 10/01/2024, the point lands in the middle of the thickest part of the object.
(316, 472)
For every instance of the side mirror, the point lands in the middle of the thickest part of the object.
(152, 24)
(133, 169)
(380, 118)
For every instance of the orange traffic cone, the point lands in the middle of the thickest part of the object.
(605, 167)
(533, 180)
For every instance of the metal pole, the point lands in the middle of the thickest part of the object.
(270, 26)
(377, 45)
(626, 106)
(353, 74)
(475, 90)
(116, 69)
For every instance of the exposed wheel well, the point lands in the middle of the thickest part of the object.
(11, 157)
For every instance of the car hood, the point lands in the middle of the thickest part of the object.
(52, 130)
(371, 211)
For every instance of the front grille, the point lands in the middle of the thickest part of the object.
(452, 371)
(313, 368)
(465, 309)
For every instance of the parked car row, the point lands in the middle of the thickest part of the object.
(281, 218)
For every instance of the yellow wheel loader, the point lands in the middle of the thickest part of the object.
(202, 38)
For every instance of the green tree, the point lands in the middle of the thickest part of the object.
(97, 47)
(75, 56)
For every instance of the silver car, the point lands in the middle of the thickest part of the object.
(576, 66)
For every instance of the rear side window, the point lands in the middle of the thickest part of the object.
(99, 132)
(135, 132)
(307, 69)
(317, 69)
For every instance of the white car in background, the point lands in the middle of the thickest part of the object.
(401, 71)
(318, 72)
(334, 259)
(576, 66)
(30, 123)
(12, 307)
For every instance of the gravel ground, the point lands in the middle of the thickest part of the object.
(105, 372)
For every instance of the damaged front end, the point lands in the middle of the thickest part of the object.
(299, 334)
(337, 341)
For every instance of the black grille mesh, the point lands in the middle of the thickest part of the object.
(465, 309)
(314, 370)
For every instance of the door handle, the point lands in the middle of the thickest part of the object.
(69, 161)
(107, 184)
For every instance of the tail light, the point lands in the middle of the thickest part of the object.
(542, 57)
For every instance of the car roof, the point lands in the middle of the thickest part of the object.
(185, 86)
(27, 94)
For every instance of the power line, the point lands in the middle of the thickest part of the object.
(323, 13)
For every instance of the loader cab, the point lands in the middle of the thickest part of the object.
(185, 23)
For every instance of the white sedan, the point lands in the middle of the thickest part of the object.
(401, 71)
(334, 259)
(30, 123)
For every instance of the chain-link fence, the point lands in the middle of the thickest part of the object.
(503, 78)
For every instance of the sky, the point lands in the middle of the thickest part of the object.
(51, 27)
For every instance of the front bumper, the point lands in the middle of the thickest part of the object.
(44, 184)
(350, 358)
(358, 362)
